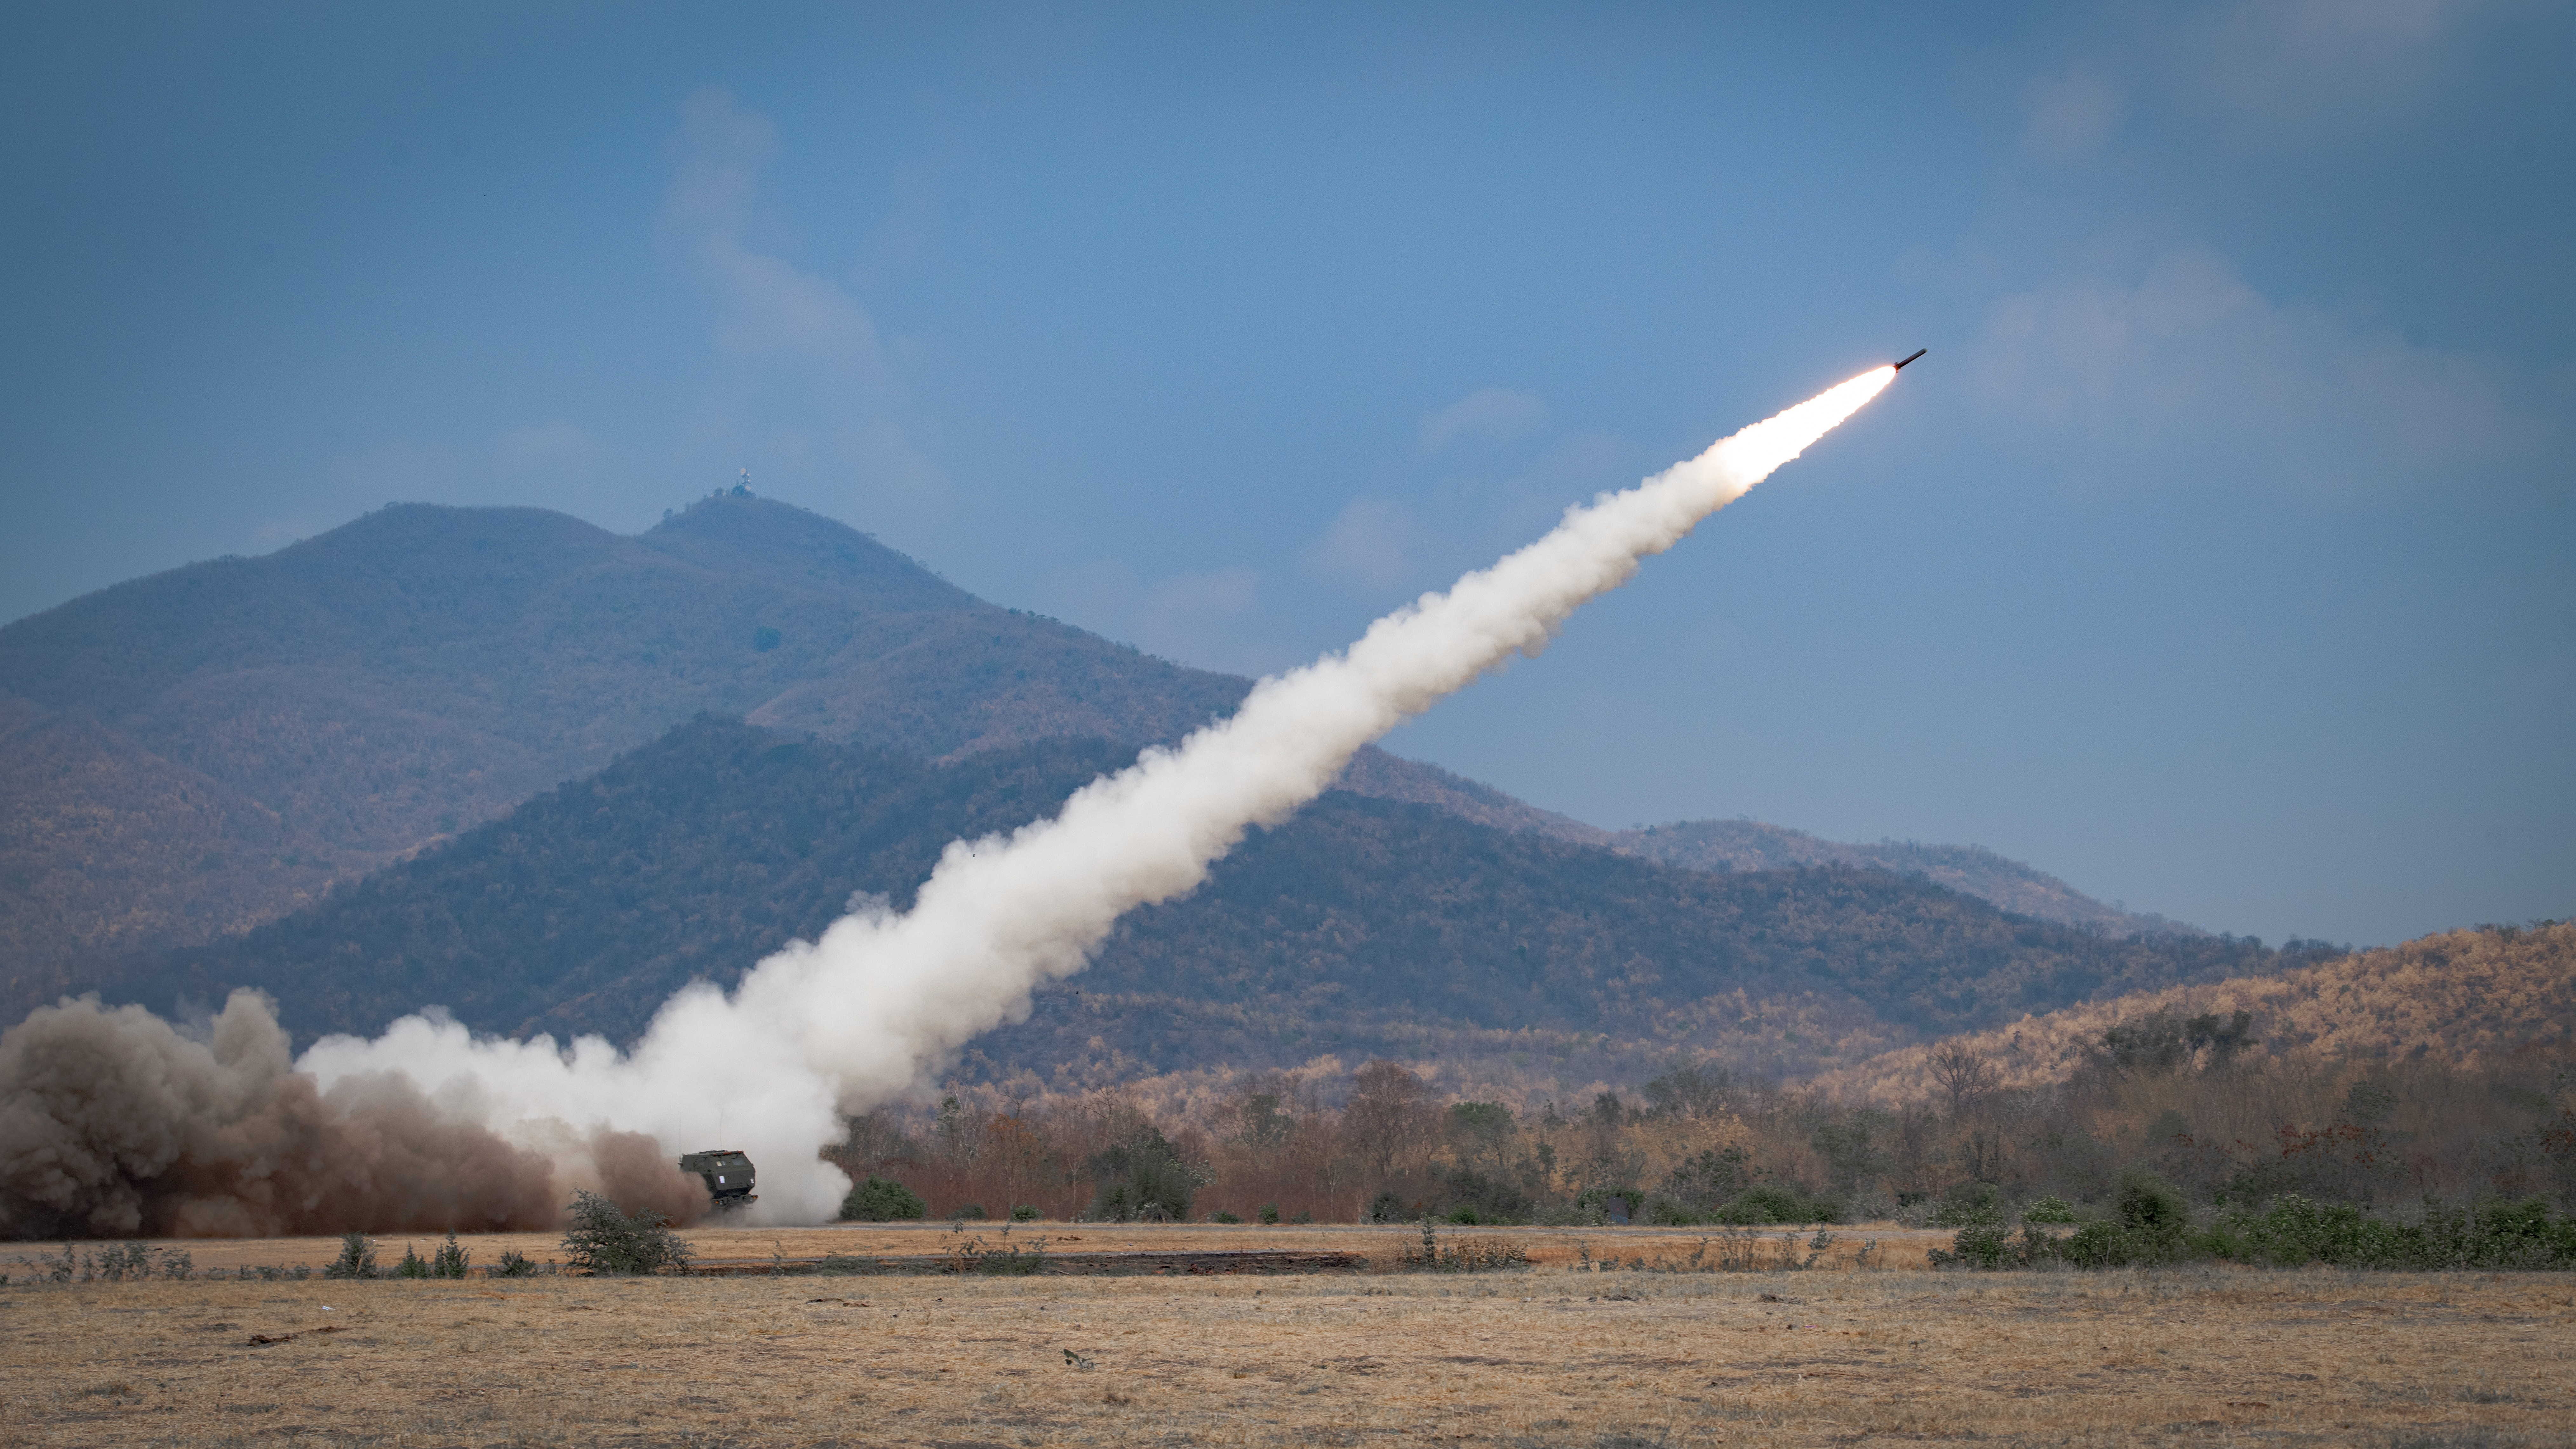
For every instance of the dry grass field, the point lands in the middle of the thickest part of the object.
(1546, 1356)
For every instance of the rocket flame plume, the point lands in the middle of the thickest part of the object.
(855, 1017)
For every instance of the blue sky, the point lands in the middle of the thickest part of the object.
(2220, 558)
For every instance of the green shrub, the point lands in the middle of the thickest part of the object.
(605, 1240)
(413, 1264)
(1670, 1212)
(1492, 1198)
(357, 1258)
(972, 1212)
(2151, 1204)
(451, 1260)
(883, 1200)
(1270, 1212)
(1773, 1202)
(2499, 1235)
(514, 1264)
(2097, 1245)
(1222, 1216)
(1024, 1213)
(1992, 1246)
(1970, 1204)
(2049, 1210)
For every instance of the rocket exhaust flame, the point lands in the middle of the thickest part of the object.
(856, 1016)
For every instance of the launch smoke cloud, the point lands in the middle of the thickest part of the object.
(859, 1014)
(114, 1124)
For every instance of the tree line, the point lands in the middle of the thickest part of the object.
(2188, 1106)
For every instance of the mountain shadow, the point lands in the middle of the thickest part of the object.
(1360, 926)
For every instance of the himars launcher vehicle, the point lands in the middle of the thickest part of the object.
(728, 1175)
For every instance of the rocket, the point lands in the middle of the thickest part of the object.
(1918, 352)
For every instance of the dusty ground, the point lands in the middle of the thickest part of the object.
(1549, 1357)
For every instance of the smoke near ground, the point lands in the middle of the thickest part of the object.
(855, 1017)
(114, 1124)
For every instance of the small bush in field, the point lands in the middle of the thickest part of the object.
(2049, 1210)
(883, 1200)
(413, 1264)
(1222, 1216)
(1024, 1213)
(514, 1264)
(1270, 1212)
(1972, 1204)
(2151, 1204)
(606, 1240)
(357, 1258)
(1771, 1202)
(451, 1259)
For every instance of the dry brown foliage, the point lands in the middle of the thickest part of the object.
(2462, 996)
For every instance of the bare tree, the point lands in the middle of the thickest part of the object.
(1389, 1117)
(1966, 1076)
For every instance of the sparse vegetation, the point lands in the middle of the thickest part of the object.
(882, 1200)
(452, 1261)
(111, 1263)
(357, 1258)
(606, 1240)
(2118, 1146)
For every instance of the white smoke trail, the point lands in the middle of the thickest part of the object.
(855, 1017)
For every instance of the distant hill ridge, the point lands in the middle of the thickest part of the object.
(2461, 996)
(1723, 845)
(189, 754)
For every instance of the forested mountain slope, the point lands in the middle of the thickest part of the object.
(186, 754)
(1360, 926)
(2464, 997)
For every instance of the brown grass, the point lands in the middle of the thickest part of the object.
(1544, 1357)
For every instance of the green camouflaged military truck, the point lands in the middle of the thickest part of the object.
(727, 1173)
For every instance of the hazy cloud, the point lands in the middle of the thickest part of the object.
(2070, 116)
(807, 377)
(1368, 544)
(556, 443)
(2306, 66)
(2188, 352)
(1493, 413)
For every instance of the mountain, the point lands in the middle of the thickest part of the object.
(2465, 997)
(191, 753)
(188, 755)
(1361, 926)
(1723, 845)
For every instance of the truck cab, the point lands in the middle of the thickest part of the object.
(727, 1173)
